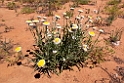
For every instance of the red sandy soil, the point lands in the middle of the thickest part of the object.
(21, 35)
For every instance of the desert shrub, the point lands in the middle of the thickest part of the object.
(27, 10)
(5, 48)
(98, 54)
(112, 10)
(7, 54)
(84, 2)
(114, 2)
(121, 14)
(11, 5)
(109, 20)
(80, 2)
(116, 35)
(61, 47)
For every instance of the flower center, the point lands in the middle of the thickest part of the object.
(57, 40)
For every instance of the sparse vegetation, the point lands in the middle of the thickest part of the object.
(114, 2)
(116, 35)
(11, 5)
(27, 10)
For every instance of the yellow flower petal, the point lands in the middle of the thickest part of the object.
(41, 63)
(46, 23)
(18, 49)
(91, 33)
(28, 21)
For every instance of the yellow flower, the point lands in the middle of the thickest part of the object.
(18, 49)
(41, 63)
(46, 23)
(57, 40)
(91, 33)
(28, 21)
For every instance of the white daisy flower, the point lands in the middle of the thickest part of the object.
(46, 23)
(67, 17)
(94, 28)
(101, 30)
(72, 8)
(73, 37)
(57, 17)
(82, 17)
(57, 41)
(49, 35)
(85, 47)
(78, 18)
(70, 30)
(91, 21)
(74, 26)
(54, 51)
(80, 11)
(31, 24)
(28, 21)
(64, 13)
(117, 43)
(64, 59)
(91, 33)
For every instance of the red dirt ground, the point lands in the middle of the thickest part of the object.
(21, 35)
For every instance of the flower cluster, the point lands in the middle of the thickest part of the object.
(61, 47)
